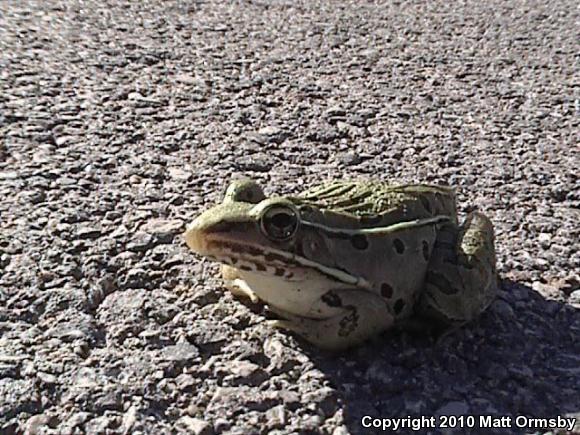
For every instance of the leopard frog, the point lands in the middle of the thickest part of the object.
(344, 261)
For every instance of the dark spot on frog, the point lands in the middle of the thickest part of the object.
(270, 258)
(399, 246)
(386, 290)
(253, 251)
(348, 324)
(227, 246)
(360, 241)
(426, 204)
(279, 271)
(399, 305)
(331, 299)
(260, 267)
(425, 250)
(234, 260)
(246, 268)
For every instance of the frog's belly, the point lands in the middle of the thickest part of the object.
(297, 296)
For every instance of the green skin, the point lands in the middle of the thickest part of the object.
(347, 260)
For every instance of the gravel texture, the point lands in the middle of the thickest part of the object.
(121, 120)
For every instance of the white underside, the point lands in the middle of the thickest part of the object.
(299, 297)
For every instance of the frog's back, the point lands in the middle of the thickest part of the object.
(375, 203)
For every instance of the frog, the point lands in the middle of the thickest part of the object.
(345, 261)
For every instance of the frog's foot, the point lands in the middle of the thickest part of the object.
(361, 315)
(461, 279)
(237, 285)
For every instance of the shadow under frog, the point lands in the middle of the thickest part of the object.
(520, 358)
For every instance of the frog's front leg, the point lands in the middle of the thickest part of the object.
(461, 278)
(359, 315)
(237, 285)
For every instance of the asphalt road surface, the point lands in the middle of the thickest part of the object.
(121, 120)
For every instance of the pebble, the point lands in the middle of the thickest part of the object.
(276, 417)
(350, 158)
(195, 426)
(135, 277)
(181, 352)
(88, 233)
(179, 174)
(140, 242)
(271, 134)
(36, 424)
(335, 111)
(77, 419)
(545, 240)
(163, 229)
(244, 373)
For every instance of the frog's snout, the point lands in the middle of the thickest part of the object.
(194, 237)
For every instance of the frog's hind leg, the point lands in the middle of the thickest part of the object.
(461, 278)
(359, 316)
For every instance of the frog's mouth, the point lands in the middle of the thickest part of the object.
(267, 261)
(250, 258)
(243, 255)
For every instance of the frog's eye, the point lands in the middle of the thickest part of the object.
(279, 222)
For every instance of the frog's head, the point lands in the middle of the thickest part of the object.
(245, 226)
(234, 228)
(281, 237)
